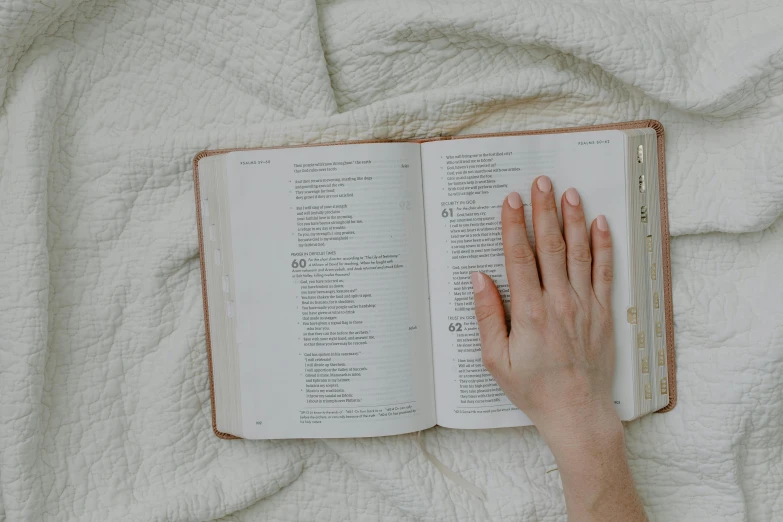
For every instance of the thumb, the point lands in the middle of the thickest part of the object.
(491, 319)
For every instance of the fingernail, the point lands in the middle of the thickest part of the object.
(572, 196)
(478, 282)
(601, 223)
(514, 200)
(543, 183)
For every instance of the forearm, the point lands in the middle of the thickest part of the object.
(597, 482)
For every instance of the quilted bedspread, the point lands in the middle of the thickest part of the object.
(104, 406)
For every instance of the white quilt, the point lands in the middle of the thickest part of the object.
(104, 409)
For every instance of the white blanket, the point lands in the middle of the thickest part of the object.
(104, 410)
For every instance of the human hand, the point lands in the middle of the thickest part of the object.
(557, 361)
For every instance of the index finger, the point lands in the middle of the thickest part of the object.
(521, 268)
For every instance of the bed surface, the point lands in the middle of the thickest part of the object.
(104, 405)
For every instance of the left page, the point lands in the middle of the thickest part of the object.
(331, 291)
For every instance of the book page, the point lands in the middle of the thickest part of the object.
(331, 299)
(465, 183)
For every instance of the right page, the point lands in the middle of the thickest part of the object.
(465, 183)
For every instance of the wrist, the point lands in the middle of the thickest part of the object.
(590, 452)
(584, 431)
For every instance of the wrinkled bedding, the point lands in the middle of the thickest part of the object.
(104, 408)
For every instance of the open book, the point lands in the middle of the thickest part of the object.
(336, 278)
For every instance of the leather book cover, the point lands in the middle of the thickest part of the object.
(665, 243)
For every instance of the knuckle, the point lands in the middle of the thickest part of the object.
(547, 202)
(483, 313)
(575, 216)
(514, 217)
(580, 254)
(603, 244)
(551, 244)
(566, 307)
(521, 254)
(604, 273)
(536, 315)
